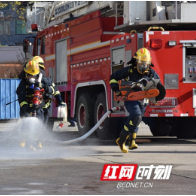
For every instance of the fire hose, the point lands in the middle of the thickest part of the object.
(120, 108)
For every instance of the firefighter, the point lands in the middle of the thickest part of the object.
(47, 98)
(25, 92)
(56, 93)
(40, 62)
(139, 67)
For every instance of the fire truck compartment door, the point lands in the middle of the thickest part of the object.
(189, 61)
(118, 55)
(61, 61)
(117, 63)
(128, 56)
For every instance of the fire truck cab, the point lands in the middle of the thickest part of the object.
(80, 54)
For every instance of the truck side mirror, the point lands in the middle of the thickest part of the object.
(25, 45)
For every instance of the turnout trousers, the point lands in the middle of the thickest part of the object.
(136, 110)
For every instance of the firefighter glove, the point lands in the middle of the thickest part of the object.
(59, 100)
(62, 104)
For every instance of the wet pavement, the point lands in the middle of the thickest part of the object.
(76, 169)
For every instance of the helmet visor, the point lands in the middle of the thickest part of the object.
(143, 66)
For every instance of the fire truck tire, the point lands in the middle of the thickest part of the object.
(160, 130)
(185, 128)
(85, 112)
(111, 127)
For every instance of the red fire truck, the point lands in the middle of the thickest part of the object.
(80, 55)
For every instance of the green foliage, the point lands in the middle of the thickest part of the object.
(21, 11)
(15, 5)
(3, 5)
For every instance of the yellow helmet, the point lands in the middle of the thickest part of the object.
(143, 59)
(32, 68)
(39, 60)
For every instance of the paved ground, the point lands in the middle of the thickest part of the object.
(76, 169)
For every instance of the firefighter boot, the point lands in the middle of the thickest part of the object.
(121, 141)
(132, 144)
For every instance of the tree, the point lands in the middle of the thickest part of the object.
(19, 6)
(14, 11)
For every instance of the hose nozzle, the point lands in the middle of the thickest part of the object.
(59, 126)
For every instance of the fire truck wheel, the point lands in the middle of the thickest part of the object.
(111, 127)
(85, 112)
(185, 128)
(160, 130)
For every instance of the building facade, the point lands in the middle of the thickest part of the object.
(12, 32)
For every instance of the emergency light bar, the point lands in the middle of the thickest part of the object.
(172, 43)
(34, 27)
(167, 102)
(156, 43)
